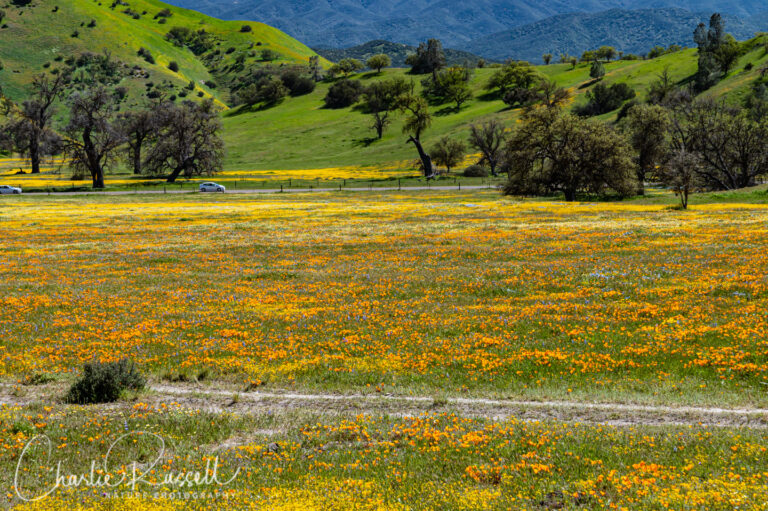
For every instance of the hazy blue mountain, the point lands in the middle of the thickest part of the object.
(344, 23)
(634, 31)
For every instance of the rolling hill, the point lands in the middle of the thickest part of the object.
(398, 52)
(301, 133)
(631, 31)
(344, 23)
(39, 36)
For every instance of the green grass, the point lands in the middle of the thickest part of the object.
(301, 134)
(39, 35)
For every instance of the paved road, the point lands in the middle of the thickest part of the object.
(279, 190)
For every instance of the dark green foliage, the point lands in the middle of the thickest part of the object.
(475, 171)
(429, 58)
(343, 93)
(146, 55)
(448, 152)
(103, 382)
(556, 152)
(297, 83)
(91, 68)
(345, 67)
(448, 85)
(268, 55)
(604, 99)
(397, 52)
(718, 52)
(173, 66)
(269, 91)
(648, 127)
(198, 42)
(597, 71)
(379, 62)
(246, 28)
(381, 99)
(756, 102)
(164, 13)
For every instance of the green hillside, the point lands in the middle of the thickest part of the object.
(37, 36)
(301, 133)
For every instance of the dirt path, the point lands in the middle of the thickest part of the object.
(218, 398)
(591, 413)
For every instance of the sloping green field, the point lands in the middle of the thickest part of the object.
(35, 35)
(302, 133)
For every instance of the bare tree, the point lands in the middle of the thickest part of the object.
(30, 125)
(92, 137)
(139, 127)
(732, 148)
(488, 138)
(188, 141)
(681, 173)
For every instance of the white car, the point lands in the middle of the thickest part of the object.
(9, 190)
(212, 187)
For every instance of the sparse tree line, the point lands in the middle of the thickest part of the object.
(81, 117)
(674, 139)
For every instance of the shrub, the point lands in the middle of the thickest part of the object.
(343, 93)
(103, 382)
(268, 55)
(165, 13)
(173, 66)
(146, 55)
(475, 171)
(297, 83)
(604, 99)
(246, 28)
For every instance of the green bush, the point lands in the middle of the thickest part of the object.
(103, 382)
(475, 171)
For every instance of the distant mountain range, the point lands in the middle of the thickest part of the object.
(630, 31)
(492, 28)
(396, 51)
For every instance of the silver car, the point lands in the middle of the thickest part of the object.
(9, 190)
(212, 187)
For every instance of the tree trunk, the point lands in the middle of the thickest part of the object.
(175, 174)
(137, 160)
(98, 178)
(34, 154)
(426, 160)
(640, 181)
(570, 195)
(492, 163)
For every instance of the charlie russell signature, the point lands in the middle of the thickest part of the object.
(131, 478)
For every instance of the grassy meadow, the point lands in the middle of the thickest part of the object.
(437, 294)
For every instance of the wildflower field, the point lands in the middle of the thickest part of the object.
(454, 297)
